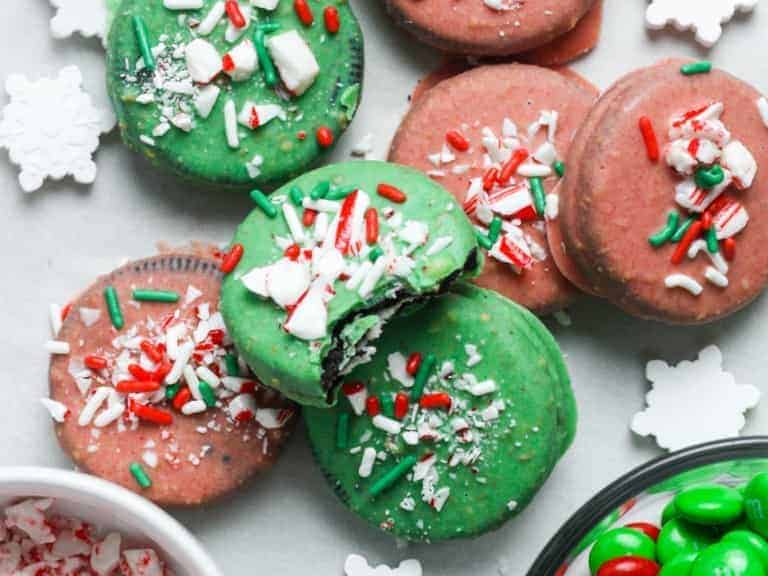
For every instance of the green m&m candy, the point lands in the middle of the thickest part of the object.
(728, 559)
(679, 566)
(751, 540)
(756, 503)
(681, 537)
(710, 504)
(669, 512)
(618, 543)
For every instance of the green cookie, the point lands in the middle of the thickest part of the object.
(181, 124)
(337, 290)
(439, 473)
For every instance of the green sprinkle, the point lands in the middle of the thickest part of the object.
(261, 200)
(171, 391)
(682, 229)
(142, 38)
(342, 431)
(375, 254)
(320, 190)
(559, 167)
(140, 475)
(209, 397)
(708, 178)
(388, 405)
(265, 60)
(393, 475)
(539, 201)
(297, 196)
(340, 193)
(665, 234)
(712, 244)
(494, 229)
(146, 295)
(350, 99)
(483, 240)
(701, 67)
(233, 368)
(113, 307)
(422, 376)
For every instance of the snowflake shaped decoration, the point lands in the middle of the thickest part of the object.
(358, 566)
(704, 17)
(51, 128)
(693, 402)
(87, 17)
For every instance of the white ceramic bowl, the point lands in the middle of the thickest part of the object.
(111, 507)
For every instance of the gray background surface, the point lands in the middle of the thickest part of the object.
(54, 242)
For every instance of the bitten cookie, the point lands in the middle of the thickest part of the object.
(151, 394)
(662, 211)
(497, 137)
(454, 425)
(232, 94)
(326, 260)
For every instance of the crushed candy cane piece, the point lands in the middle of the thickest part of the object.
(693, 402)
(356, 565)
(241, 62)
(57, 410)
(706, 19)
(203, 60)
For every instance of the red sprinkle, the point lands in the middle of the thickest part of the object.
(373, 406)
(136, 386)
(162, 371)
(232, 259)
(391, 193)
(371, 226)
(331, 18)
(301, 134)
(234, 14)
(648, 529)
(489, 179)
(292, 252)
(649, 137)
(182, 397)
(350, 388)
(324, 136)
(413, 363)
(95, 362)
(308, 218)
(150, 414)
(457, 140)
(706, 220)
(729, 249)
(510, 168)
(682, 248)
(65, 311)
(216, 336)
(304, 12)
(139, 373)
(401, 405)
(152, 353)
(435, 401)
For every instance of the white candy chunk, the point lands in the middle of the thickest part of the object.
(329, 265)
(241, 62)
(212, 19)
(242, 407)
(414, 233)
(482, 388)
(230, 124)
(256, 281)
(10, 557)
(287, 281)
(271, 418)
(512, 200)
(694, 199)
(373, 277)
(309, 319)
(740, 162)
(513, 250)
(57, 410)
(89, 316)
(546, 154)
(105, 555)
(205, 100)
(254, 115)
(29, 517)
(396, 365)
(183, 4)
(294, 60)
(142, 563)
(203, 60)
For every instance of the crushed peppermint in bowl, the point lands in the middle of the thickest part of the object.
(61, 522)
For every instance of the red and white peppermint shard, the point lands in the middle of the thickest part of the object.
(242, 408)
(309, 319)
(254, 115)
(241, 62)
(348, 226)
(357, 394)
(729, 217)
(514, 202)
(203, 61)
(740, 162)
(513, 250)
(694, 199)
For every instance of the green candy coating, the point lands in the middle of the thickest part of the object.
(297, 367)
(202, 155)
(756, 504)
(519, 447)
(752, 541)
(680, 537)
(710, 504)
(680, 565)
(728, 559)
(669, 513)
(618, 543)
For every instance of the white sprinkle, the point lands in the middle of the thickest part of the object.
(762, 107)
(373, 277)
(552, 208)
(546, 154)
(194, 407)
(54, 314)
(147, 140)
(512, 505)
(359, 274)
(531, 170)
(57, 410)
(212, 19)
(206, 375)
(93, 404)
(321, 205)
(482, 388)
(111, 414)
(183, 4)
(683, 281)
(192, 382)
(367, 462)
(389, 425)
(185, 353)
(57, 347)
(230, 124)
(439, 245)
(294, 225)
(364, 146)
(716, 277)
